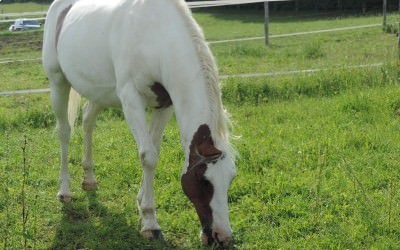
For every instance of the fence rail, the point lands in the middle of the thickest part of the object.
(13, 20)
(205, 4)
(22, 14)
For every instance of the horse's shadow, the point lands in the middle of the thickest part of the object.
(87, 224)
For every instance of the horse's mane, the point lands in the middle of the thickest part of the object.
(219, 117)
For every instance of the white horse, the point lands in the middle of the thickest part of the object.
(133, 54)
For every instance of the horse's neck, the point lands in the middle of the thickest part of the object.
(191, 99)
(193, 109)
(186, 77)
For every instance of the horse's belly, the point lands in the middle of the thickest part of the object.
(105, 96)
(96, 84)
(89, 72)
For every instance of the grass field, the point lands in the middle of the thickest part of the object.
(23, 7)
(319, 153)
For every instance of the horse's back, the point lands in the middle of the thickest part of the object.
(76, 44)
(102, 42)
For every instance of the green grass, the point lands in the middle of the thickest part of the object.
(319, 153)
(293, 191)
(326, 175)
(252, 23)
(305, 52)
(22, 7)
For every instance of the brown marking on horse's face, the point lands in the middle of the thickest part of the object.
(60, 22)
(194, 184)
(163, 98)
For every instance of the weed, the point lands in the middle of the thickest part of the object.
(391, 28)
(391, 194)
(324, 84)
(25, 210)
(5, 199)
(395, 106)
(38, 119)
(322, 162)
(314, 51)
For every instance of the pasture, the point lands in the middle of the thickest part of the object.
(319, 153)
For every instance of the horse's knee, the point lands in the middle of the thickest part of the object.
(149, 158)
(87, 165)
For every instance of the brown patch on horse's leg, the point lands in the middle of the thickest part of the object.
(163, 98)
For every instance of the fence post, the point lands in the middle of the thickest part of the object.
(398, 32)
(266, 23)
(384, 12)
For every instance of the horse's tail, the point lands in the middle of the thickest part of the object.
(73, 107)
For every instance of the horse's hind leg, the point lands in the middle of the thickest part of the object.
(60, 89)
(90, 112)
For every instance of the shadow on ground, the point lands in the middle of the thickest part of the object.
(86, 224)
(257, 15)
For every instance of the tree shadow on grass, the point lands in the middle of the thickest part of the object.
(86, 224)
(231, 14)
(256, 14)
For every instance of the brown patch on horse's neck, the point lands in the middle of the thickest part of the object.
(163, 98)
(202, 146)
(197, 188)
(60, 22)
(200, 192)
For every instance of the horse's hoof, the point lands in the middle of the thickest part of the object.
(153, 235)
(89, 186)
(64, 198)
(208, 240)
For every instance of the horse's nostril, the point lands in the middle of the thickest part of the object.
(221, 243)
(215, 236)
(206, 236)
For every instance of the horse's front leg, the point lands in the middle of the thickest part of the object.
(160, 117)
(135, 115)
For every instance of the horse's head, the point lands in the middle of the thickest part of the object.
(206, 183)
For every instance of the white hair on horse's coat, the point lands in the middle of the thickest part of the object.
(220, 117)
